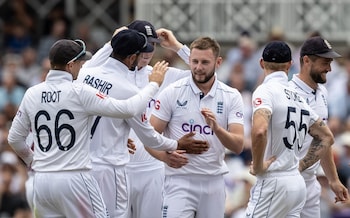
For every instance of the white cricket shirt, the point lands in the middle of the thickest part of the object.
(180, 106)
(109, 140)
(290, 120)
(317, 100)
(141, 159)
(58, 112)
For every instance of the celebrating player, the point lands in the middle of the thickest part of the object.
(281, 119)
(213, 110)
(316, 56)
(110, 136)
(59, 113)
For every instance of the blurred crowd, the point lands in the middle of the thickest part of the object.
(24, 47)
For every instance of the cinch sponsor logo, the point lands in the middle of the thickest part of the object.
(239, 114)
(192, 127)
(154, 103)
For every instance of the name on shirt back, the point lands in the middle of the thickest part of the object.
(50, 96)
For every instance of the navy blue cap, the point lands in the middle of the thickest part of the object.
(128, 42)
(66, 50)
(319, 47)
(277, 52)
(146, 28)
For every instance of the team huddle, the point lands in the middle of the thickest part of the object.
(116, 137)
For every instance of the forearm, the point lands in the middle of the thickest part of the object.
(315, 152)
(159, 155)
(258, 151)
(17, 139)
(99, 57)
(322, 141)
(231, 141)
(328, 166)
(184, 52)
(23, 151)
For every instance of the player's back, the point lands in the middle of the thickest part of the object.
(290, 120)
(60, 124)
(109, 135)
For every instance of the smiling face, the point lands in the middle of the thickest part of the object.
(319, 68)
(203, 64)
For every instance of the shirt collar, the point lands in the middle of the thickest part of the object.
(116, 65)
(278, 75)
(302, 85)
(58, 75)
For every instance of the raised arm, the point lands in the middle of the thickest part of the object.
(169, 41)
(103, 53)
(97, 103)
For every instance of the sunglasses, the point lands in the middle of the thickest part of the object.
(144, 45)
(83, 52)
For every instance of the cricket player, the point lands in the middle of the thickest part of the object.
(316, 56)
(110, 136)
(213, 110)
(59, 114)
(281, 120)
(146, 194)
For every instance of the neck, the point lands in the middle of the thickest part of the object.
(308, 80)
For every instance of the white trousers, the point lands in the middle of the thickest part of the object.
(276, 196)
(146, 193)
(189, 196)
(67, 194)
(113, 184)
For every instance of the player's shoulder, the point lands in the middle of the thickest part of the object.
(226, 88)
(148, 68)
(181, 83)
(83, 72)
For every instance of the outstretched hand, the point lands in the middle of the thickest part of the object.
(158, 72)
(191, 145)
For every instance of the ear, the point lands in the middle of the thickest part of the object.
(132, 58)
(218, 62)
(262, 63)
(68, 67)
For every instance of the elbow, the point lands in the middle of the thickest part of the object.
(236, 146)
(329, 139)
(239, 147)
(258, 133)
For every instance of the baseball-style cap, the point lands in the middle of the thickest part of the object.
(65, 51)
(146, 28)
(319, 47)
(128, 42)
(277, 52)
